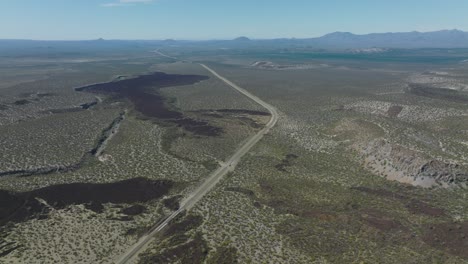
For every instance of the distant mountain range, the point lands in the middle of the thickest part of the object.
(437, 39)
(337, 40)
(346, 40)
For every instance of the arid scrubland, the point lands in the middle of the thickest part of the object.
(65, 136)
(367, 163)
(350, 173)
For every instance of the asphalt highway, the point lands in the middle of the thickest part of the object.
(213, 178)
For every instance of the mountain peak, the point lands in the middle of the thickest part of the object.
(339, 33)
(242, 39)
(339, 36)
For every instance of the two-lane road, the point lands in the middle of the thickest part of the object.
(214, 177)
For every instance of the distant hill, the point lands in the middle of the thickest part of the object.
(242, 39)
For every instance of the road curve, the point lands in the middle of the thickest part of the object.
(214, 177)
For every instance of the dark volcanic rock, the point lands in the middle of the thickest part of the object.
(18, 207)
(438, 93)
(173, 203)
(142, 92)
(5, 252)
(88, 105)
(380, 220)
(394, 110)
(41, 95)
(415, 206)
(247, 192)
(22, 102)
(134, 210)
(420, 207)
(194, 251)
(128, 191)
(243, 111)
(286, 162)
(449, 237)
(95, 207)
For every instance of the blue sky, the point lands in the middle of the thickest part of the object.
(222, 19)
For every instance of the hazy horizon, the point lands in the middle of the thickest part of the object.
(233, 38)
(214, 20)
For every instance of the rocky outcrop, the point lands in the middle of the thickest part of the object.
(399, 163)
(444, 172)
